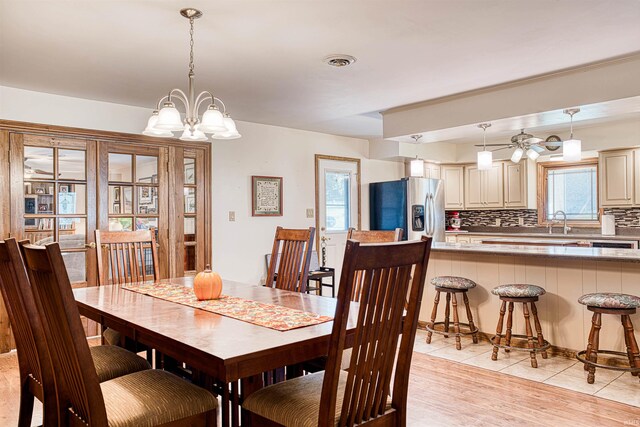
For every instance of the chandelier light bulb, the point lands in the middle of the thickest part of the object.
(169, 118)
(517, 155)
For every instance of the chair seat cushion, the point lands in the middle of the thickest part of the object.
(453, 282)
(112, 362)
(111, 336)
(153, 397)
(295, 402)
(518, 291)
(610, 300)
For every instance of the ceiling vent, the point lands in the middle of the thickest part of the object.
(339, 60)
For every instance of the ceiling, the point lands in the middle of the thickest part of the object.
(264, 58)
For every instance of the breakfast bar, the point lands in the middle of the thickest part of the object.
(566, 273)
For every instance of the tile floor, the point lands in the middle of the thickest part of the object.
(556, 370)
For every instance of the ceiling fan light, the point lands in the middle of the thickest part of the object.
(572, 150)
(213, 121)
(517, 155)
(416, 167)
(485, 160)
(169, 118)
(532, 154)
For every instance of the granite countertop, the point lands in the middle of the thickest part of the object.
(533, 241)
(564, 252)
(570, 236)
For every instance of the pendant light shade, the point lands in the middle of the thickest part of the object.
(416, 167)
(195, 135)
(517, 155)
(572, 148)
(485, 158)
(169, 118)
(232, 131)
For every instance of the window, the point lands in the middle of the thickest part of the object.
(571, 188)
(338, 195)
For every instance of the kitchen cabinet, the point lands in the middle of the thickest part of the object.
(617, 178)
(453, 177)
(636, 183)
(484, 188)
(515, 185)
(432, 170)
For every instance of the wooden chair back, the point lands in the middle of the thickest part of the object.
(290, 257)
(388, 270)
(36, 373)
(127, 256)
(370, 236)
(79, 395)
(375, 236)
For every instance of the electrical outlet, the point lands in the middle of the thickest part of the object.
(520, 221)
(310, 213)
(232, 216)
(498, 222)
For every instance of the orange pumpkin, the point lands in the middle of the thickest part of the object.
(207, 285)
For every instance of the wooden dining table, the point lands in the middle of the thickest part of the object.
(227, 350)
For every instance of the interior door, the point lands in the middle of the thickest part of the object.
(53, 198)
(337, 207)
(133, 193)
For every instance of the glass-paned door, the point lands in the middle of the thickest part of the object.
(55, 200)
(136, 188)
(193, 209)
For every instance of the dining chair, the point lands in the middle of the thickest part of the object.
(147, 398)
(364, 393)
(370, 236)
(126, 257)
(290, 258)
(36, 375)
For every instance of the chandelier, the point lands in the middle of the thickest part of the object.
(166, 118)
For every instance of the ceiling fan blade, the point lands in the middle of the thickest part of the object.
(552, 144)
(494, 145)
(533, 140)
(498, 149)
(537, 148)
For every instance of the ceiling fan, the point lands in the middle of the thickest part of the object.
(529, 144)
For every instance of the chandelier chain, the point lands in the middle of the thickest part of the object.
(191, 66)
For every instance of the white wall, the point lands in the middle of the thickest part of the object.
(238, 247)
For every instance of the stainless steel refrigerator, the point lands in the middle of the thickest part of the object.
(414, 204)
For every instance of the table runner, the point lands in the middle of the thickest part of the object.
(258, 313)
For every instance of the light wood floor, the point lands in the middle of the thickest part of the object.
(445, 393)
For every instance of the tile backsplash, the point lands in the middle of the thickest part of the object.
(625, 217)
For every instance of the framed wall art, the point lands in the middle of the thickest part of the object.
(266, 196)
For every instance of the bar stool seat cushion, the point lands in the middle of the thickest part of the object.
(453, 282)
(112, 362)
(518, 291)
(610, 300)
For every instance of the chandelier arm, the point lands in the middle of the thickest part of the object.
(178, 93)
(224, 108)
(202, 97)
(161, 101)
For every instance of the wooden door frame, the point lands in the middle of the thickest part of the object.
(317, 159)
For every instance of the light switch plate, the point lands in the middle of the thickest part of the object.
(310, 213)
(232, 216)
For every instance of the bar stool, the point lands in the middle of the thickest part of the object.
(525, 294)
(452, 285)
(622, 305)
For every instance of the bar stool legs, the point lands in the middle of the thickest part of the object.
(451, 308)
(632, 345)
(494, 353)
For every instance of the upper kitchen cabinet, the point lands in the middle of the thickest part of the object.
(617, 177)
(515, 185)
(453, 177)
(432, 170)
(484, 188)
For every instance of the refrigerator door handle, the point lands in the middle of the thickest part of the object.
(432, 219)
(429, 214)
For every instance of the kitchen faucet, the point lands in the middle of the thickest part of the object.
(565, 228)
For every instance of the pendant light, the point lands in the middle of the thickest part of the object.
(416, 166)
(572, 148)
(485, 158)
